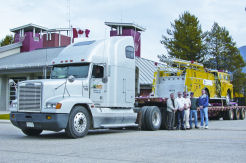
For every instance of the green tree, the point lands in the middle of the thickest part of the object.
(222, 53)
(185, 39)
(239, 81)
(7, 40)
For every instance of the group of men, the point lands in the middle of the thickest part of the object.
(186, 108)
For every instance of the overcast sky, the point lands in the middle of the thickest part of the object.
(154, 15)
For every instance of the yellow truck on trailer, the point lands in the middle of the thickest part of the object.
(191, 76)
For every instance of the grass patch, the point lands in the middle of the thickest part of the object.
(4, 116)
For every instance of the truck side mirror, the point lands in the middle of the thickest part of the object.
(71, 78)
(12, 82)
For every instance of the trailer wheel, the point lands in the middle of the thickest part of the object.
(164, 125)
(31, 131)
(236, 114)
(242, 114)
(143, 112)
(78, 123)
(153, 118)
(230, 115)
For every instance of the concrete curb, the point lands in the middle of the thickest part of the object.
(4, 121)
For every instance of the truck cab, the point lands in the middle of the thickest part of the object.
(92, 85)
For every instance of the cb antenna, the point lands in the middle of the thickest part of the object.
(68, 8)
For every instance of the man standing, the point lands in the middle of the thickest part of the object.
(170, 111)
(193, 110)
(180, 111)
(187, 105)
(203, 105)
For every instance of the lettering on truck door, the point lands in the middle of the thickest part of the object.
(97, 85)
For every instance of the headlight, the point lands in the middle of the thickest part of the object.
(53, 105)
(14, 105)
(50, 105)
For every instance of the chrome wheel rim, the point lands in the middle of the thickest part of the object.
(232, 115)
(156, 118)
(80, 122)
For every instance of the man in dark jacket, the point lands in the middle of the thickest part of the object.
(193, 110)
(203, 105)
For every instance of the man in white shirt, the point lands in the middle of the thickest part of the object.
(187, 105)
(180, 111)
(171, 108)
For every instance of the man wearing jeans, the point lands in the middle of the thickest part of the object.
(180, 111)
(203, 105)
(193, 110)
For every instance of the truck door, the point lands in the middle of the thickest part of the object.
(97, 86)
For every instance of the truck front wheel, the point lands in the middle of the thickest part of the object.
(78, 123)
(31, 132)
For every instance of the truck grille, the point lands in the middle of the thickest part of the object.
(30, 96)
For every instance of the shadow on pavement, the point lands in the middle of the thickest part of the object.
(62, 135)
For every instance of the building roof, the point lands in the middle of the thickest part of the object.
(35, 58)
(10, 46)
(125, 25)
(29, 27)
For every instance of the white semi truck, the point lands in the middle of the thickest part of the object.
(92, 85)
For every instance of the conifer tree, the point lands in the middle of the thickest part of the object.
(7, 40)
(185, 39)
(222, 53)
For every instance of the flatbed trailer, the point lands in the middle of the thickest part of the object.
(215, 112)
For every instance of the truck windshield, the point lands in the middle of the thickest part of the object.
(64, 71)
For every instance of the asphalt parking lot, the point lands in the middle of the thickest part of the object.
(224, 141)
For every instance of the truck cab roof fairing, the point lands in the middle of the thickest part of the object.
(90, 51)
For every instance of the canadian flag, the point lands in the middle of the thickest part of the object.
(77, 32)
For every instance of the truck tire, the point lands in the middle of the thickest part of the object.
(143, 112)
(153, 118)
(224, 113)
(164, 125)
(242, 114)
(230, 115)
(31, 131)
(79, 122)
(236, 114)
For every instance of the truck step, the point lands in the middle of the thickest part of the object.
(119, 125)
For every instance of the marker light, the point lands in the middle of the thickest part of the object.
(58, 106)
(48, 117)
(82, 60)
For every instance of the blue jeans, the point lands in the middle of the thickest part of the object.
(180, 117)
(204, 113)
(193, 112)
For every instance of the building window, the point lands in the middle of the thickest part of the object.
(130, 52)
